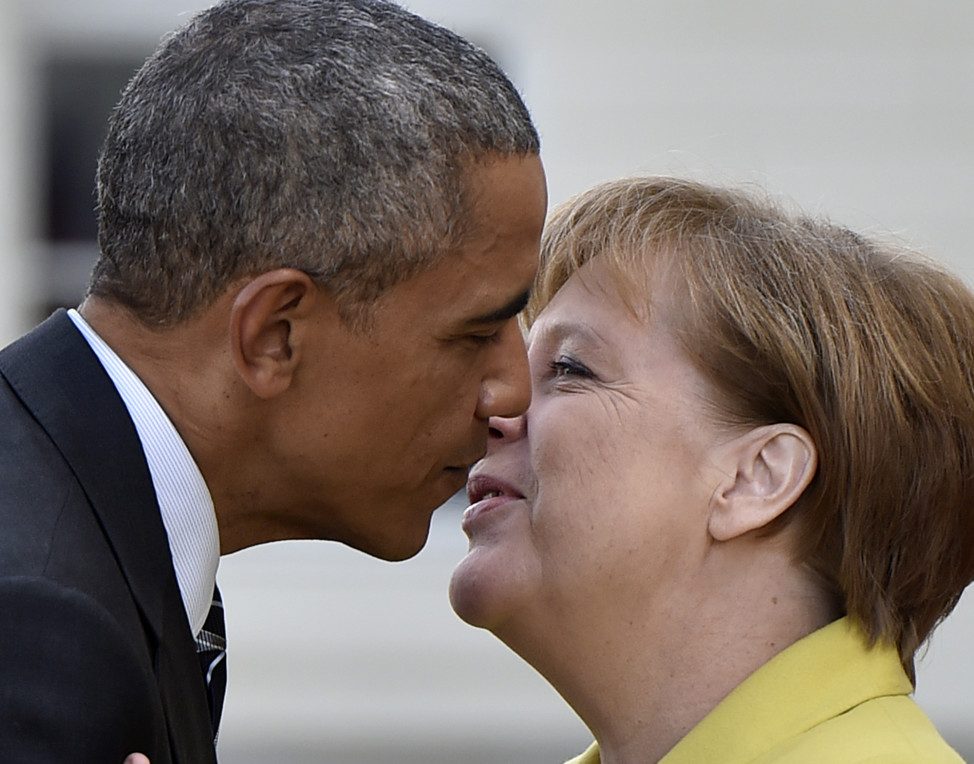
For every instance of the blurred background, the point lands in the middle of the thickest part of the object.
(862, 109)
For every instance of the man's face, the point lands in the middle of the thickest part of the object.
(385, 423)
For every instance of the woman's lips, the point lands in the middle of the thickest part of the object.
(486, 493)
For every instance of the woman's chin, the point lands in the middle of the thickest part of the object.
(479, 590)
(467, 595)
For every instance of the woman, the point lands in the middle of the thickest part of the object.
(742, 495)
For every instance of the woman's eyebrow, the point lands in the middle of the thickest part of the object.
(568, 329)
(503, 313)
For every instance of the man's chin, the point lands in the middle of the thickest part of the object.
(395, 545)
(400, 529)
(400, 555)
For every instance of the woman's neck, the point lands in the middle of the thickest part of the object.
(641, 684)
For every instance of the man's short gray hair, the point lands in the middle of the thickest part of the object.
(331, 136)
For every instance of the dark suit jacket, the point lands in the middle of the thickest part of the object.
(96, 657)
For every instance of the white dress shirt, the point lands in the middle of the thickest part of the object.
(184, 500)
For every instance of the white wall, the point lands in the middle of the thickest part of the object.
(861, 109)
(16, 184)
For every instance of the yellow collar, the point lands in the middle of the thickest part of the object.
(831, 670)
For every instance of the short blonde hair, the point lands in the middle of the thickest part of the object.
(866, 345)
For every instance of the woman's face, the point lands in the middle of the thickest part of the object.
(596, 500)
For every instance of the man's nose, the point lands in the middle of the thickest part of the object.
(505, 390)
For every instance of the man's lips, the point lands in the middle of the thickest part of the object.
(486, 493)
(463, 467)
(466, 460)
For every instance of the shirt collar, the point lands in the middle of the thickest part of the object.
(184, 500)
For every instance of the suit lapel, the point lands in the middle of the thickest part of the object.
(61, 381)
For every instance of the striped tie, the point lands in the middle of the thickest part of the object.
(211, 647)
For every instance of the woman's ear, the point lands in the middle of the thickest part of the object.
(767, 469)
(266, 319)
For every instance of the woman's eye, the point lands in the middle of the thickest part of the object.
(569, 367)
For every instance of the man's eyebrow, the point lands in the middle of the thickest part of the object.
(510, 310)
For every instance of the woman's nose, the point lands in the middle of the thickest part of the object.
(505, 429)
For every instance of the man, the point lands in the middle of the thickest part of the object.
(318, 220)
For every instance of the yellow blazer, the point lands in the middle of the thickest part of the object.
(827, 699)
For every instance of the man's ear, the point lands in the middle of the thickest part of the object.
(766, 469)
(265, 321)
